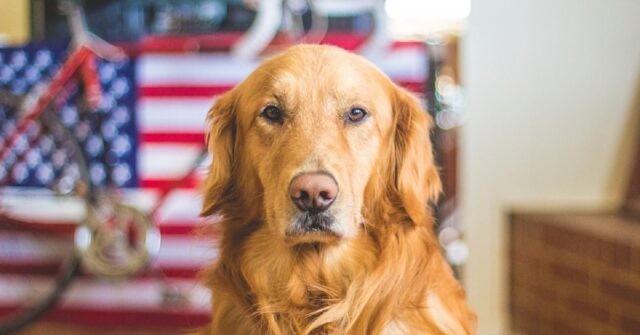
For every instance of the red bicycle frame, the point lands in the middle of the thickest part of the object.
(82, 59)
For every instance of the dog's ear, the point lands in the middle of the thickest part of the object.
(417, 181)
(221, 142)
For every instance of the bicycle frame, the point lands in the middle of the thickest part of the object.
(80, 67)
(82, 59)
(82, 62)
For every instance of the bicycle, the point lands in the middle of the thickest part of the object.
(63, 220)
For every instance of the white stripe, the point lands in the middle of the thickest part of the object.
(223, 69)
(172, 114)
(16, 248)
(51, 208)
(185, 252)
(138, 294)
(182, 206)
(166, 160)
(404, 64)
(192, 69)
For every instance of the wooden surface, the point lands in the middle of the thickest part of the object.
(51, 328)
(575, 274)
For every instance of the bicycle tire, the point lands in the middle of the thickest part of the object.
(42, 285)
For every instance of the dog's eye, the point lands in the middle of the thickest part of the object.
(356, 115)
(272, 113)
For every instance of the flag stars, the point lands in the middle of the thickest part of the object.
(121, 145)
(21, 144)
(82, 130)
(8, 127)
(120, 116)
(119, 88)
(10, 158)
(33, 158)
(107, 136)
(43, 59)
(121, 174)
(94, 145)
(46, 144)
(97, 173)
(107, 72)
(19, 86)
(69, 115)
(109, 130)
(45, 173)
(107, 102)
(6, 74)
(32, 74)
(59, 158)
(20, 172)
(33, 131)
(18, 60)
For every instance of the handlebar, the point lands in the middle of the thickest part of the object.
(81, 35)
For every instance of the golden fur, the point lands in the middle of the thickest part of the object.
(384, 272)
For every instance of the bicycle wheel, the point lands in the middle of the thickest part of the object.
(44, 189)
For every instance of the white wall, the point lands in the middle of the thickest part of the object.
(551, 88)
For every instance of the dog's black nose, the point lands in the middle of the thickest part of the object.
(313, 192)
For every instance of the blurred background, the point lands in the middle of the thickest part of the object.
(537, 109)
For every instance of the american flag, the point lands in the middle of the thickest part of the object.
(107, 135)
(157, 103)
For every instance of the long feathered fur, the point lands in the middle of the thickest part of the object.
(390, 279)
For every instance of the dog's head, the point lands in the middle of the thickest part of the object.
(315, 143)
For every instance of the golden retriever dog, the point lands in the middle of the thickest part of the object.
(323, 173)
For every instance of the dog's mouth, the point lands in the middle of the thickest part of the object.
(312, 228)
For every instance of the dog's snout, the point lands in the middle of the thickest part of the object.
(313, 192)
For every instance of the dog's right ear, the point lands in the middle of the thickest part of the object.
(417, 181)
(221, 142)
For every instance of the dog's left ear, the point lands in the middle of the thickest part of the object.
(221, 142)
(416, 176)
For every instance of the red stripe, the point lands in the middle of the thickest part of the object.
(42, 269)
(183, 91)
(178, 318)
(163, 184)
(32, 268)
(225, 41)
(172, 137)
(177, 230)
(408, 45)
(190, 227)
(200, 91)
(179, 273)
(412, 85)
(166, 228)
(172, 272)
(35, 227)
(211, 42)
